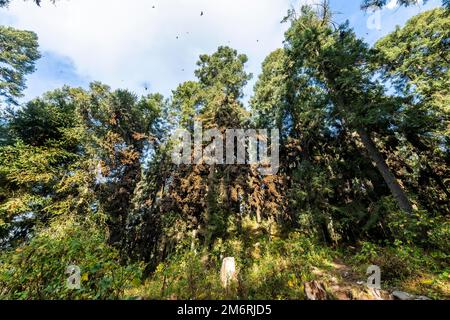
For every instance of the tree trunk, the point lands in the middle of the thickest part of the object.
(392, 182)
(210, 207)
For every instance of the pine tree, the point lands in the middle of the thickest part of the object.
(18, 54)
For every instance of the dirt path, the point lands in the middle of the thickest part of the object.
(342, 283)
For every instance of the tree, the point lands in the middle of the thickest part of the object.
(381, 3)
(215, 101)
(18, 54)
(414, 61)
(204, 201)
(118, 129)
(337, 61)
(45, 120)
(41, 171)
(330, 187)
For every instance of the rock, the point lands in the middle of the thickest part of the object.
(400, 295)
(315, 291)
(228, 272)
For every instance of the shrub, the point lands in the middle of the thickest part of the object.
(37, 269)
(267, 269)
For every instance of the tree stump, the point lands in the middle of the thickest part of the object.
(228, 272)
(315, 290)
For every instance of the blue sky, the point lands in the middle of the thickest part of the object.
(154, 44)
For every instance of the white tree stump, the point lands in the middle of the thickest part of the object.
(228, 272)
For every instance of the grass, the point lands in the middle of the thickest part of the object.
(278, 268)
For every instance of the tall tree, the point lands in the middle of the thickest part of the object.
(329, 185)
(41, 172)
(118, 130)
(215, 101)
(337, 61)
(414, 61)
(18, 54)
(206, 199)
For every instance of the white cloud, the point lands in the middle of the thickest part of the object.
(129, 43)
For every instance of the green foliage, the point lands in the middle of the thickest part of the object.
(86, 176)
(117, 129)
(18, 53)
(415, 60)
(267, 269)
(223, 69)
(399, 261)
(37, 269)
(423, 229)
(183, 277)
(368, 252)
(41, 173)
(47, 121)
(29, 189)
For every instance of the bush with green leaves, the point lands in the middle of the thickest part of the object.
(267, 268)
(37, 270)
(399, 261)
(422, 228)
